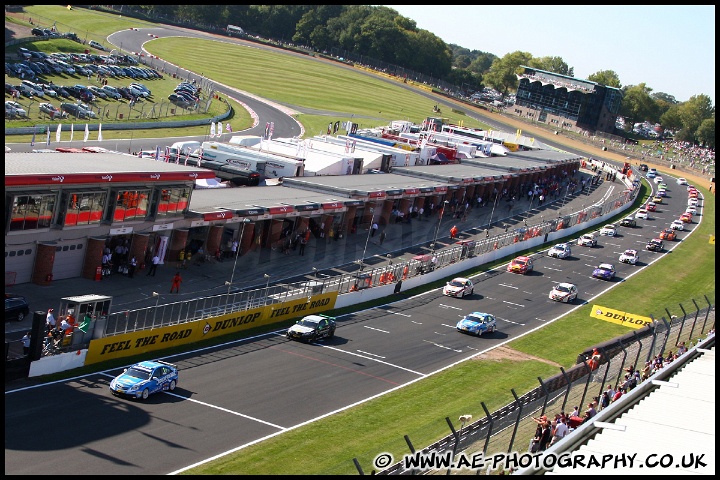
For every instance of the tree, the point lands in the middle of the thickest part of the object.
(693, 113)
(551, 64)
(606, 77)
(706, 133)
(502, 75)
(637, 105)
(671, 118)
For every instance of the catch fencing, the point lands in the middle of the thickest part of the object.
(511, 428)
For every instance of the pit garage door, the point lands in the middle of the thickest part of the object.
(19, 261)
(69, 257)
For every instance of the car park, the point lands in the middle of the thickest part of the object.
(587, 240)
(477, 323)
(522, 265)
(97, 45)
(11, 89)
(563, 292)
(50, 109)
(629, 256)
(628, 222)
(38, 91)
(179, 101)
(311, 328)
(677, 225)
(16, 307)
(642, 213)
(137, 92)
(681, 181)
(655, 245)
(458, 287)
(38, 32)
(604, 271)
(145, 378)
(14, 109)
(111, 92)
(685, 218)
(668, 234)
(140, 86)
(561, 250)
(97, 91)
(608, 230)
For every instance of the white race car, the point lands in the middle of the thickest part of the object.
(642, 213)
(561, 250)
(629, 256)
(564, 292)
(587, 240)
(458, 287)
(608, 230)
(677, 225)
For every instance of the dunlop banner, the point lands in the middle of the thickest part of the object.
(619, 317)
(145, 341)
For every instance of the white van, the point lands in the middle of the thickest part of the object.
(183, 149)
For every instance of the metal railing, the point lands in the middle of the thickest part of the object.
(511, 428)
(367, 277)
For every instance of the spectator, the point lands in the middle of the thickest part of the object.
(546, 436)
(131, 267)
(66, 327)
(374, 228)
(681, 348)
(560, 430)
(618, 394)
(591, 410)
(50, 321)
(26, 343)
(154, 265)
(604, 400)
(453, 232)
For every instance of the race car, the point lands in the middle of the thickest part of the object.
(693, 202)
(681, 181)
(520, 265)
(477, 323)
(608, 230)
(655, 245)
(687, 216)
(628, 222)
(604, 271)
(651, 207)
(657, 199)
(668, 234)
(564, 292)
(587, 240)
(311, 328)
(642, 213)
(677, 225)
(629, 256)
(145, 378)
(661, 193)
(458, 287)
(691, 209)
(561, 250)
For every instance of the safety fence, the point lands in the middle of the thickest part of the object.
(512, 427)
(366, 276)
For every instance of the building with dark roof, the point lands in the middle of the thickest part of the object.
(566, 103)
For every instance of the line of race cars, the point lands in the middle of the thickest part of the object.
(148, 377)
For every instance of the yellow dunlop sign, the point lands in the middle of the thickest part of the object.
(619, 317)
(145, 341)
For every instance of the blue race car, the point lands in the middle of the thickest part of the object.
(477, 323)
(604, 271)
(145, 378)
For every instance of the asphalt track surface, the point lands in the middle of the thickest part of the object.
(231, 395)
(234, 394)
